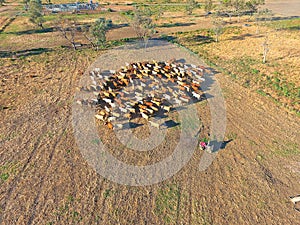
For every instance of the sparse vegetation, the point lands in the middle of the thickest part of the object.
(68, 28)
(36, 12)
(218, 26)
(96, 33)
(166, 203)
(248, 71)
(191, 5)
(143, 24)
(208, 6)
(43, 176)
(288, 150)
(8, 170)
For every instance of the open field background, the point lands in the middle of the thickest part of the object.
(45, 180)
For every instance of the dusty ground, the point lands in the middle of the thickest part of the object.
(48, 180)
(44, 178)
(285, 8)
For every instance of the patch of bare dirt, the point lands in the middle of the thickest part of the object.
(285, 8)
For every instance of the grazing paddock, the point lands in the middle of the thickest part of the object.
(45, 179)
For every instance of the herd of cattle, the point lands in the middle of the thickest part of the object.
(143, 89)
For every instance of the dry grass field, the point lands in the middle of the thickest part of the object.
(45, 180)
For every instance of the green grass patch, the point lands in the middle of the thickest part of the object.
(261, 92)
(166, 203)
(292, 24)
(289, 150)
(7, 170)
(129, 14)
(232, 136)
(4, 176)
(108, 193)
(67, 209)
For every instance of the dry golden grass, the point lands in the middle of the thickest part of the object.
(45, 180)
(240, 53)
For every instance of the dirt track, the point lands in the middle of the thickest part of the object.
(285, 8)
(49, 181)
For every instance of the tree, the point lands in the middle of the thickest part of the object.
(262, 17)
(26, 4)
(238, 7)
(226, 7)
(265, 48)
(253, 5)
(218, 26)
(36, 13)
(96, 34)
(191, 5)
(143, 25)
(68, 29)
(208, 6)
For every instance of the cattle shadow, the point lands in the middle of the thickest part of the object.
(170, 124)
(130, 125)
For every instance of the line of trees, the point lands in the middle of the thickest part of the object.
(239, 7)
(69, 28)
(141, 20)
(95, 33)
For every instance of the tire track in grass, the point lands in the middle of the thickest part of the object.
(106, 192)
(101, 198)
(41, 183)
(69, 94)
(60, 136)
(30, 158)
(190, 200)
(16, 180)
(95, 189)
(37, 144)
(104, 197)
(100, 190)
(27, 121)
(178, 204)
(150, 205)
